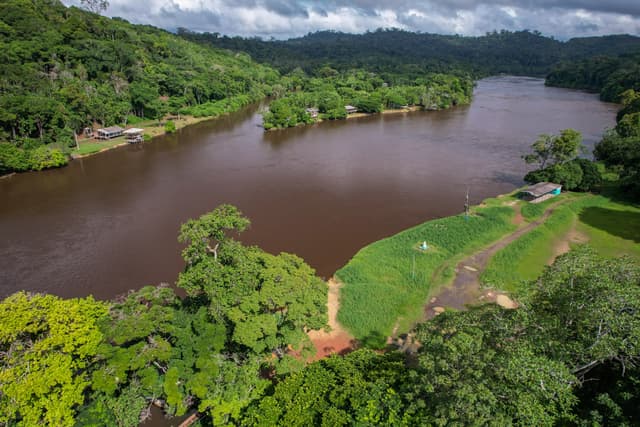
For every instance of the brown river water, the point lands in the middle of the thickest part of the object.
(109, 223)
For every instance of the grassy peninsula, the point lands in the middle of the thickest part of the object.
(388, 283)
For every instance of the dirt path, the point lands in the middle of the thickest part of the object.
(563, 245)
(466, 285)
(518, 219)
(337, 340)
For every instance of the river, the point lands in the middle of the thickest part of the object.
(109, 223)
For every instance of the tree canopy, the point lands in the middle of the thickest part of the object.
(47, 346)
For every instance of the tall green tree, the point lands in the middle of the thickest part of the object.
(550, 150)
(267, 301)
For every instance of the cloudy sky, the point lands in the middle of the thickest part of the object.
(281, 19)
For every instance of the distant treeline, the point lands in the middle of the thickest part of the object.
(609, 75)
(63, 69)
(618, 80)
(399, 51)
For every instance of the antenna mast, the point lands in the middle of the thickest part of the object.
(466, 205)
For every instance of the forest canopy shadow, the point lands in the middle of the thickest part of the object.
(624, 224)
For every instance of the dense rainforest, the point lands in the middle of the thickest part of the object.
(397, 51)
(610, 75)
(63, 69)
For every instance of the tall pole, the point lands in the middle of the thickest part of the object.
(466, 205)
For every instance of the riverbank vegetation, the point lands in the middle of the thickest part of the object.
(607, 74)
(567, 356)
(322, 98)
(557, 159)
(65, 69)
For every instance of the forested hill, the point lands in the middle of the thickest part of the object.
(62, 69)
(609, 75)
(520, 52)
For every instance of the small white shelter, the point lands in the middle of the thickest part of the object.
(134, 135)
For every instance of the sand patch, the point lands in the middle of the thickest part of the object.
(438, 310)
(337, 340)
(563, 245)
(499, 298)
(506, 302)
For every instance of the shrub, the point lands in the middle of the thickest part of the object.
(13, 159)
(170, 127)
(591, 176)
(44, 158)
(568, 174)
(132, 119)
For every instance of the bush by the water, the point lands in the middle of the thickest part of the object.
(17, 159)
(217, 108)
(170, 126)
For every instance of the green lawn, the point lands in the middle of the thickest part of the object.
(93, 146)
(533, 211)
(381, 284)
(612, 228)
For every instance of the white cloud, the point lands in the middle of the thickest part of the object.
(288, 18)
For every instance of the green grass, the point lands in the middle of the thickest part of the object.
(532, 211)
(382, 288)
(381, 285)
(612, 228)
(96, 145)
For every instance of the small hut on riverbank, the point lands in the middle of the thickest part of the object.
(110, 132)
(540, 192)
(134, 135)
(313, 112)
(350, 109)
